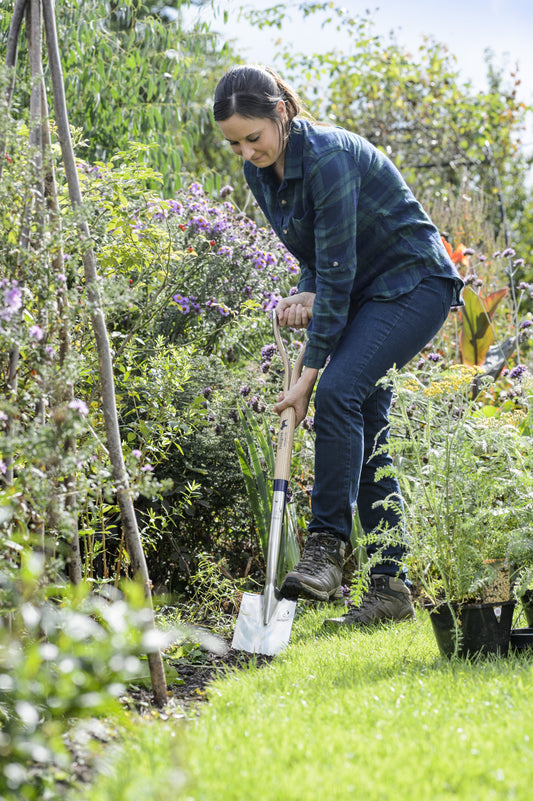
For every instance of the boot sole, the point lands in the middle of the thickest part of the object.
(293, 589)
(339, 623)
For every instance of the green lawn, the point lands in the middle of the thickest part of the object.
(372, 715)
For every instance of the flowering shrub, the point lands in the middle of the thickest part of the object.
(188, 266)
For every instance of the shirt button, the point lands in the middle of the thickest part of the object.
(284, 230)
(283, 202)
(335, 263)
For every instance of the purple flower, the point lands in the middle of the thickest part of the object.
(257, 404)
(526, 324)
(244, 390)
(226, 190)
(508, 252)
(220, 307)
(79, 406)
(147, 468)
(3, 467)
(136, 453)
(12, 299)
(36, 333)
(196, 189)
(182, 302)
(175, 207)
(267, 351)
(200, 223)
(518, 371)
(225, 251)
(207, 392)
(434, 357)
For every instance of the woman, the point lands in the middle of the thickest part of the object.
(376, 285)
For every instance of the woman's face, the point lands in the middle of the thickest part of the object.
(256, 139)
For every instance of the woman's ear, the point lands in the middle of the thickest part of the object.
(281, 108)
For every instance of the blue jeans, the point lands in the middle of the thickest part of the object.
(352, 413)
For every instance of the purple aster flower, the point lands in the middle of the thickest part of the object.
(434, 357)
(196, 189)
(176, 207)
(182, 302)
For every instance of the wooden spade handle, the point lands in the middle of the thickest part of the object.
(282, 467)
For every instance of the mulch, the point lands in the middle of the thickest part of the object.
(190, 687)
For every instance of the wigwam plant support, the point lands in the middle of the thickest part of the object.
(37, 12)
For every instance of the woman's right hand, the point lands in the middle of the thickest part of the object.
(296, 310)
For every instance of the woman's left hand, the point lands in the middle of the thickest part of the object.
(300, 394)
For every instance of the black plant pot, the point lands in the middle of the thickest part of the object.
(527, 606)
(483, 628)
(521, 639)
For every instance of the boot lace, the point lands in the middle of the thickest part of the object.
(317, 551)
(369, 599)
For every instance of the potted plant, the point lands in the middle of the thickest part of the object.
(464, 467)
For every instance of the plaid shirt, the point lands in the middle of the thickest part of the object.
(345, 212)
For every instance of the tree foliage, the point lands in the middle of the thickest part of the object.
(445, 137)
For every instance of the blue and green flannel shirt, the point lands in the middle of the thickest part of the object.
(345, 212)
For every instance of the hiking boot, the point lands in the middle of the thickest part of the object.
(318, 574)
(387, 598)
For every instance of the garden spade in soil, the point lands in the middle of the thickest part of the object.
(264, 622)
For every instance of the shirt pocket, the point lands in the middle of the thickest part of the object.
(300, 235)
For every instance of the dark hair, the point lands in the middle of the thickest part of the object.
(254, 91)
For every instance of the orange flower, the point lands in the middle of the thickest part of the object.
(458, 255)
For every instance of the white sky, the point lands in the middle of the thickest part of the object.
(466, 27)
